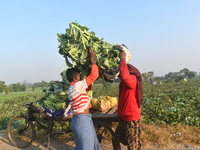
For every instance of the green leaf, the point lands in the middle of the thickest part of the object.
(106, 63)
(83, 56)
(107, 85)
(67, 62)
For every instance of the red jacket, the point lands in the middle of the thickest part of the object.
(128, 109)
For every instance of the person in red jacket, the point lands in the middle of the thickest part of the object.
(129, 128)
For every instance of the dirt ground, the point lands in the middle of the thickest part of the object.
(69, 145)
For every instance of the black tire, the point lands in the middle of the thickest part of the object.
(20, 131)
(104, 132)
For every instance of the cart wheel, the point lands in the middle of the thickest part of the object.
(20, 131)
(104, 132)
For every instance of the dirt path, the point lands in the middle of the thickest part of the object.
(6, 145)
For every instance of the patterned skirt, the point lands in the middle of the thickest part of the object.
(128, 133)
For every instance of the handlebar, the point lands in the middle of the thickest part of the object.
(32, 108)
(29, 104)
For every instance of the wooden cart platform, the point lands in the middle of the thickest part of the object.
(108, 116)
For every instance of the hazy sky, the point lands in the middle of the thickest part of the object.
(162, 35)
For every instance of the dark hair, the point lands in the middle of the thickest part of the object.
(71, 73)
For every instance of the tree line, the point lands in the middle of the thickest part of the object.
(171, 77)
(148, 77)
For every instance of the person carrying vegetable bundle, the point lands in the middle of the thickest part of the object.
(82, 124)
(130, 97)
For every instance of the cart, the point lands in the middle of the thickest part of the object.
(22, 129)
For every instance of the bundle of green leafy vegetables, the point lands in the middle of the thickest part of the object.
(55, 97)
(74, 46)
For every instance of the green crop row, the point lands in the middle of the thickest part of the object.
(13, 105)
(170, 103)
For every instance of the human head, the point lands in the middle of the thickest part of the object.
(72, 74)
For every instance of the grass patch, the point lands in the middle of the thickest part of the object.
(13, 95)
(165, 135)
